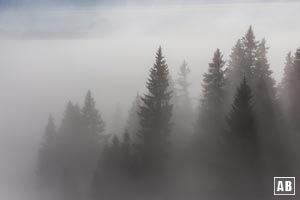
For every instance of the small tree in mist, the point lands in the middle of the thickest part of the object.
(114, 172)
(241, 63)
(155, 114)
(241, 121)
(295, 93)
(286, 81)
(47, 166)
(183, 109)
(264, 86)
(211, 105)
(241, 162)
(133, 120)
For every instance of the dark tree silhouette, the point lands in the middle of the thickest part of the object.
(242, 163)
(211, 105)
(155, 114)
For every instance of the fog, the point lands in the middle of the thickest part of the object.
(52, 54)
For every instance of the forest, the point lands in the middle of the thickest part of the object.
(242, 132)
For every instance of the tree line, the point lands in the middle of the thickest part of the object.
(244, 130)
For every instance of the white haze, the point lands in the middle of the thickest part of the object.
(49, 56)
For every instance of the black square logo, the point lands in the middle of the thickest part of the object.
(284, 185)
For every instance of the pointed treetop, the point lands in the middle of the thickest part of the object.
(297, 60)
(89, 101)
(249, 39)
(51, 124)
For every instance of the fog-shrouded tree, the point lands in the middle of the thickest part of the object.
(47, 163)
(212, 102)
(250, 46)
(183, 109)
(79, 142)
(263, 85)
(93, 128)
(210, 124)
(155, 115)
(107, 175)
(114, 171)
(295, 94)
(241, 162)
(241, 63)
(133, 120)
(69, 157)
(286, 81)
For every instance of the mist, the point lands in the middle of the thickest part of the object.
(52, 54)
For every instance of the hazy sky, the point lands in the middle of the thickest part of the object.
(52, 54)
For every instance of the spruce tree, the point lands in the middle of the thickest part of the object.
(210, 124)
(235, 71)
(69, 148)
(250, 47)
(242, 61)
(295, 94)
(241, 121)
(211, 105)
(155, 114)
(92, 119)
(133, 123)
(47, 163)
(92, 134)
(286, 82)
(264, 86)
(241, 159)
(183, 108)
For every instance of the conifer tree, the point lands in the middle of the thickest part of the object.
(69, 153)
(92, 133)
(91, 118)
(241, 63)
(133, 123)
(286, 82)
(183, 113)
(155, 114)
(47, 166)
(242, 147)
(241, 120)
(211, 107)
(250, 46)
(263, 86)
(210, 123)
(295, 93)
